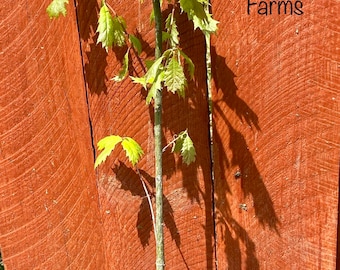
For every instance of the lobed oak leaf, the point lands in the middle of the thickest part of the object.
(105, 27)
(124, 70)
(188, 151)
(56, 7)
(174, 77)
(132, 149)
(106, 144)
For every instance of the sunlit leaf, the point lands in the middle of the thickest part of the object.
(208, 25)
(132, 149)
(174, 77)
(153, 71)
(170, 24)
(106, 144)
(184, 145)
(190, 64)
(139, 80)
(105, 28)
(124, 70)
(111, 29)
(188, 151)
(118, 32)
(200, 16)
(56, 7)
(157, 85)
(193, 8)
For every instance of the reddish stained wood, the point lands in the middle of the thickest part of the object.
(48, 200)
(276, 112)
(119, 108)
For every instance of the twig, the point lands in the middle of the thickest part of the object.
(147, 193)
(111, 8)
(170, 143)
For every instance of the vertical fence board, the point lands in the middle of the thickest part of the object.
(276, 140)
(48, 199)
(119, 108)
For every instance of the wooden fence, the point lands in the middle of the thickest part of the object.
(266, 199)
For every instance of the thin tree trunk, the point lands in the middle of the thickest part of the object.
(160, 262)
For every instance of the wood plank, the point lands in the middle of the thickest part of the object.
(48, 199)
(119, 108)
(276, 111)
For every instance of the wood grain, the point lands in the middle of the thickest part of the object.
(276, 84)
(48, 199)
(119, 108)
(276, 112)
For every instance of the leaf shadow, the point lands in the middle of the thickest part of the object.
(251, 181)
(93, 56)
(190, 113)
(130, 181)
(186, 112)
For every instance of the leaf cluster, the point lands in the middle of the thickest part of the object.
(197, 11)
(132, 149)
(165, 72)
(112, 32)
(184, 145)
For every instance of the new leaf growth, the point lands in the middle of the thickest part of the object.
(56, 7)
(132, 149)
(184, 145)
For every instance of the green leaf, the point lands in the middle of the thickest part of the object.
(140, 80)
(133, 150)
(136, 43)
(106, 144)
(193, 8)
(153, 78)
(105, 28)
(188, 151)
(157, 85)
(124, 70)
(119, 26)
(56, 7)
(165, 36)
(153, 71)
(185, 147)
(170, 24)
(200, 16)
(174, 77)
(148, 63)
(177, 146)
(208, 25)
(191, 66)
(111, 29)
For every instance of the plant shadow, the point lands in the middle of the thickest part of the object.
(128, 178)
(249, 176)
(189, 113)
(93, 55)
(192, 113)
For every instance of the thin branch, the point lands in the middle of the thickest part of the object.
(111, 8)
(170, 143)
(147, 193)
